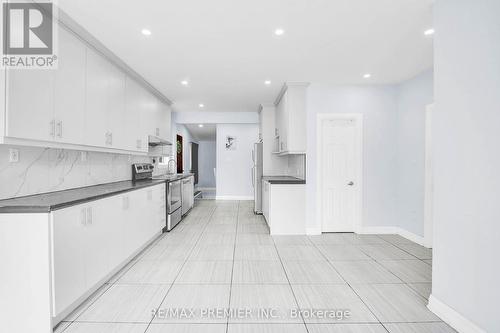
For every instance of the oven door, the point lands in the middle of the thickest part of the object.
(174, 196)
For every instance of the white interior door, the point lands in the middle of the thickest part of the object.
(339, 172)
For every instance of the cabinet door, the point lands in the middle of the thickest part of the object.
(265, 200)
(159, 197)
(69, 94)
(96, 112)
(136, 138)
(149, 112)
(116, 109)
(68, 246)
(30, 104)
(165, 122)
(284, 123)
(99, 247)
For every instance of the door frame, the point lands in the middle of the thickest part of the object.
(428, 178)
(358, 118)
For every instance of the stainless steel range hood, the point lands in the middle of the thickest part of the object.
(155, 141)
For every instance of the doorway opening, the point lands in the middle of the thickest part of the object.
(179, 150)
(339, 171)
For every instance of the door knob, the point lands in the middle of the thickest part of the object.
(350, 183)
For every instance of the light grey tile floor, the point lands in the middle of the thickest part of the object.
(222, 263)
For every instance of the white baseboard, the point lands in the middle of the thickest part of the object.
(413, 237)
(393, 230)
(234, 197)
(377, 230)
(313, 231)
(452, 317)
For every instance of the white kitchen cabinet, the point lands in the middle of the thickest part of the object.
(92, 240)
(69, 89)
(96, 113)
(87, 103)
(187, 194)
(291, 120)
(265, 200)
(68, 263)
(136, 138)
(284, 208)
(30, 104)
(116, 118)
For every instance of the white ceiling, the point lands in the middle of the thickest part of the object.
(226, 49)
(206, 133)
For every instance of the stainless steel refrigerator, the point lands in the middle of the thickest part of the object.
(257, 156)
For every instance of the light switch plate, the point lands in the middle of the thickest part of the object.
(13, 155)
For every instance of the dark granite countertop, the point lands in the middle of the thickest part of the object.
(283, 180)
(46, 202)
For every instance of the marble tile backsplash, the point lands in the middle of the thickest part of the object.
(297, 166)
(41, 170)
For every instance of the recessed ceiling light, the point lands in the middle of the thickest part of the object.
(184, 82)
(279, 32)
(429, 32)
(367, 76)
(267, 82)
(201, 105)
(146, 32)
(200, 125)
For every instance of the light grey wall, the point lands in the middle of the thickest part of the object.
(42, 170)
(466, 136)
(234, 176)
(412, 97)
(207, 161)
(379, 107)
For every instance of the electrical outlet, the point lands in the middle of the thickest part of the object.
(83, 156)
(13, 155)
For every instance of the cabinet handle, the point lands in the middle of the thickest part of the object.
(83, 216)
(59, 129)
(89, 215)
(52, 128)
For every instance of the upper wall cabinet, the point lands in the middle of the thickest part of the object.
(87, 103)
(30, 104)
(69, 89)
(291, 117)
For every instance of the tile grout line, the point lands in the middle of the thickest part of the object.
(290, 284)
(184, 263)
(403, 282)
(354, 291)
(232, 267)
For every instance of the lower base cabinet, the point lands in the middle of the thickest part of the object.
(284, 208)
(90, 241)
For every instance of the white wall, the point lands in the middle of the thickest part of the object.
(234, 177)
(207, 161)
(466, 136)
(379, 106)
(412, 97)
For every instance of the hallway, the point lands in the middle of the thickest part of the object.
(222, 257)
